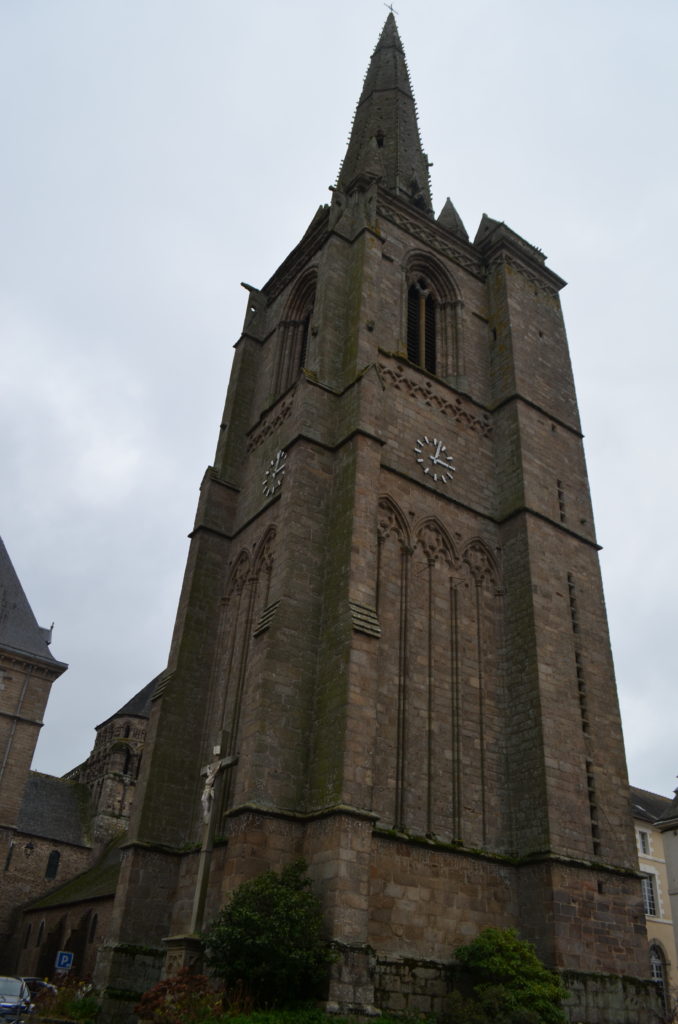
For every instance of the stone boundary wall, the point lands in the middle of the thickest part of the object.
(410, 986)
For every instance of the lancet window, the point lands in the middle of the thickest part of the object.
(432, 317)
(294, 333)
(421, 325)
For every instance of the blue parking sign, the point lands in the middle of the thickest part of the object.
(64, 960)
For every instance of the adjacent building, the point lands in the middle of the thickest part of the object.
(60, 857)
(648, 810)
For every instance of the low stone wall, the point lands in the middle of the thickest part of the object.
(602, 998)
(410, 986)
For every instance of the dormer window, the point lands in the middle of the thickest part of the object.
(421, 325)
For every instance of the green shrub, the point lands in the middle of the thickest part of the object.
(500, 980)
(269, 938)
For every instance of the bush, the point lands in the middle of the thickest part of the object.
(501, 980)
(269, 938)
(184, 998)
(74, 1000)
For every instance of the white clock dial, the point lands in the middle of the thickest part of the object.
(275, 473)
(434, 459)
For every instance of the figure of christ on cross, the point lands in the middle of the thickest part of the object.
(209, 798)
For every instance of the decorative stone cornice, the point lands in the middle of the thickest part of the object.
(436, 237)
(457, 408)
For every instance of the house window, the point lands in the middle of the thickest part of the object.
(658, 971)
(644, 842)
(53, 864)
(650, 895)
(421, 325)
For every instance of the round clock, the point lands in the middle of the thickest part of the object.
(433, 457)
(274, 473)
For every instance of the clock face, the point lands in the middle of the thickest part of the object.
(434, 459)
(274, 474)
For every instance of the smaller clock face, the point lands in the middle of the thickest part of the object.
(274, 474)
(434, 459)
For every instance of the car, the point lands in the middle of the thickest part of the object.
(40, 987)
(15, 999)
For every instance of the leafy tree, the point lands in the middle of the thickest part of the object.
(501, 980)
(269, 938)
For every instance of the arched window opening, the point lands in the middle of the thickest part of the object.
(93, 927)
(53, 864)
(303, 349)
(128, 761)
(27, 937)
(421, 325)
(295, 332)
(41, 932)
(8, 859)
(658, 971)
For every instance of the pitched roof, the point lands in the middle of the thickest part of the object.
(19, 630)
(670, 813)
(648, 806)
(54, 809)
(384, 140)
(96, 883)
(138, 706)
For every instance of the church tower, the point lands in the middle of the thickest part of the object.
(27, 670)
(391, 654)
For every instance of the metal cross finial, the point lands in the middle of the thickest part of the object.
(391, 8)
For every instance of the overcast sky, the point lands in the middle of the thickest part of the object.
(156, 153)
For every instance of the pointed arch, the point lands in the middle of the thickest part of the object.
(435, 542)
(232, 643)
(481, 562)
(295, 329)
(239, 574)
(264, 559)
(432, 317)
(391, 521)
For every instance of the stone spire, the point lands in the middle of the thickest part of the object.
(384, 140)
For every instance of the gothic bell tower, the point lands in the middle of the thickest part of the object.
(391, 655)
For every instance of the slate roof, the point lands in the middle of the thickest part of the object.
(98, 882)
(19, 630)
(670, 813)
(648, 806)
(138, 706)
(54, 809)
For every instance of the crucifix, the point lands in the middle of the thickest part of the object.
(391, 8)
(210, 799)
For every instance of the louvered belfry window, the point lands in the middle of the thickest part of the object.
(421, 326)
